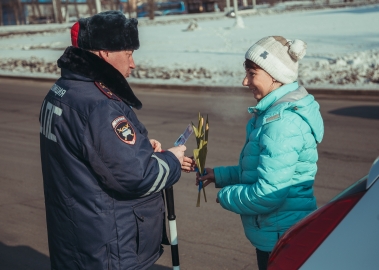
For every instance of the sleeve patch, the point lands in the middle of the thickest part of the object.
(124, 130)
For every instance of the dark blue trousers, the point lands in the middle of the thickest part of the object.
(262, 258)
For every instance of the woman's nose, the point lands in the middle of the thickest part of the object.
(245, 81)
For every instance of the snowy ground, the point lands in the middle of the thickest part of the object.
(343, 48)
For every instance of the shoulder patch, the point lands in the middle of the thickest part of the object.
(124, 130)
(106, 91)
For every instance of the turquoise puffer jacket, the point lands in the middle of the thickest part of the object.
(272, 186)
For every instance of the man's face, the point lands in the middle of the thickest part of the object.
(122, 61)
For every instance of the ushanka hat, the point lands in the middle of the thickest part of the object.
(278, 56)
(109, 30)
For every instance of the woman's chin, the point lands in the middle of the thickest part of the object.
(257, 96)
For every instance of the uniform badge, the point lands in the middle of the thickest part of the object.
(124, 130)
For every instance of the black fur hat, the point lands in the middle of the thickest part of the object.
(109, 30)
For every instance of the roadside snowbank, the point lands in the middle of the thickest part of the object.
(343, 49)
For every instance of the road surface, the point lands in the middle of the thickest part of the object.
(209, 237)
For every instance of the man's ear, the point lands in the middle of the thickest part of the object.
(104, 55)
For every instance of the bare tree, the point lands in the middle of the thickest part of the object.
(111, 5)
(20, 11)
(16, 11)
(76, 9)
(91, 7)
(1, 13)
(57, 11)
(151, 9)
(35, 5)
(129, 8)
(119, 6)
(67, 15)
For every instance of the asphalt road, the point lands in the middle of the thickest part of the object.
(209, 237)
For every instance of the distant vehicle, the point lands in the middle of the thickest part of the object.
(40, 20)
(343, 234)
(162, 9)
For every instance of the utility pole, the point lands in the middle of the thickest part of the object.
(57, 11)
(239, 22)
(227, 6)
(151, 9)
(98, 6)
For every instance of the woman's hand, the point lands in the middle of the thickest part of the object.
(188, 164)
(207, 179)
(156, 145)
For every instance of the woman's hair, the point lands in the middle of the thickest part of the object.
(248, 64)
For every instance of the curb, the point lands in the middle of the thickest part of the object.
(319, 92)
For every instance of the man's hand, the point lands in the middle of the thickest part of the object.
(156, 145)
(178, 151)
(188, 164)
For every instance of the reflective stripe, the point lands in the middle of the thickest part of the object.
(293, 96)
(162, 165)
(47, 112)
(173, 232)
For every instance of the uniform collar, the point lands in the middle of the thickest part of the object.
(89, 65)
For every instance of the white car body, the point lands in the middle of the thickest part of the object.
(353, 243)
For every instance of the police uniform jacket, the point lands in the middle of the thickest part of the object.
(102, 181)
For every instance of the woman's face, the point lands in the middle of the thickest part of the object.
(259, 82)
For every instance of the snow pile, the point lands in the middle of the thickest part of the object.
(49, 46)
(206, 49)
(356, 69)
(33, 65)
(360, 68)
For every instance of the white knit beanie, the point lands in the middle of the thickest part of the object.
(278, 57)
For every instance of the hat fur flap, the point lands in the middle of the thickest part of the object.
(91, 66)
(109, 30)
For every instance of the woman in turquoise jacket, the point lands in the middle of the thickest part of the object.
(272, 185)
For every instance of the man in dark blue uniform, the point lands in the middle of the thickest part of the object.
(103, 177)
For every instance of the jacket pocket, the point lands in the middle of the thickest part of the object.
(149, 219)
(109, 257)
(112, 255)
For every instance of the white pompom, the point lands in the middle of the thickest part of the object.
(297, 49)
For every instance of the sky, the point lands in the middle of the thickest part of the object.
(342, 48)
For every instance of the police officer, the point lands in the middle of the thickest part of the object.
(103, 177)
